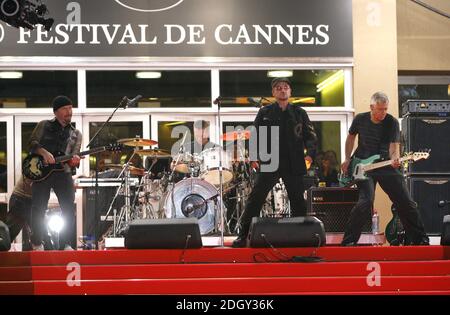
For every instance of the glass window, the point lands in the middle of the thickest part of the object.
(36, 89)
(112, 133)
(27, 130)
(158, 88)
(165, 140)
(3, 159)
(250, 88)
(329, 134)
(231, 131)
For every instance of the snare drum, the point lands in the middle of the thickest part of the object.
(209, 169)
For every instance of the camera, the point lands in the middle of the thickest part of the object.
(25, 13)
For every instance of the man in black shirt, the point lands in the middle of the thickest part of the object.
(378, 133)
(49, 138)
(296, 133)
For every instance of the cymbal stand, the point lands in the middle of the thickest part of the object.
(126, 208)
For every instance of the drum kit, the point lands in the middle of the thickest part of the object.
(190, 188)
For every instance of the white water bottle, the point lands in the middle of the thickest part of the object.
(375, 223)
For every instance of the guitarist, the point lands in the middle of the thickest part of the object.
(51, 137)
(378, 133)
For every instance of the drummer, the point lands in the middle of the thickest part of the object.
(201, 138)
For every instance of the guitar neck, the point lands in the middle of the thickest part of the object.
(382, 164)
(67, 157)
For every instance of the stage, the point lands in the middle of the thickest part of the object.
(371, 270)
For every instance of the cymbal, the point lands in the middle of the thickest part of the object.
(155, 153)
(137, 142)
(236, 135)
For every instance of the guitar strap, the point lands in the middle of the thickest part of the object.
(388, 129)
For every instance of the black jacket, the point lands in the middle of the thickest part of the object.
(301, 134)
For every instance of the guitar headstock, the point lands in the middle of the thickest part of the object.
(419, 155)
(114, 147)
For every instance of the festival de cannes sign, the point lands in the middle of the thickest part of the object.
(188, 28)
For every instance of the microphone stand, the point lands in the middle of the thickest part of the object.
(95, 140)
(218, 102)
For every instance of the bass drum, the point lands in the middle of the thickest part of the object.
(193, 198)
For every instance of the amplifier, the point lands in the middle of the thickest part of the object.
(332, 205)
(432, 195)
(426, 107)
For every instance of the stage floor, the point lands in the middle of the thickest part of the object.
(229, 271)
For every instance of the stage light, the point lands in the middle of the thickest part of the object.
(11, 75)
(25, 13)
(330, 80)
(55, 223)
(280, 73)
(148, 75)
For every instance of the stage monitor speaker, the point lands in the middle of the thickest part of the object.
(445, 237)
(5, 242)
(163, 233)
(286, 232)
(432, 195)
(332, 206)
(419, 133)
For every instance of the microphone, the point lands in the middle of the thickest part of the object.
(256, 102)
(442, 203)
(217, 100)
(253, 101)
(130, 103)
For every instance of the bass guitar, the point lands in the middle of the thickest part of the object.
(34, 168)
(358, 168)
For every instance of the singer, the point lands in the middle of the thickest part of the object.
(296, 133)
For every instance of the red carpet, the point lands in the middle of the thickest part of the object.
(216, 271)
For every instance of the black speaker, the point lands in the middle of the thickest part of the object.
(445, 237)
(5, 242)
(332, 206)
(419, 133)
(92, 219)
(286, 232)
(163, 233)
(430, 193)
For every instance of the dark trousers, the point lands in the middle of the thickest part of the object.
(19, 214)
(263, 184)
(62, 185)
(393, 184)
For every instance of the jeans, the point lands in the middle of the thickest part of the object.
(263, 184)
(393, 184)
(19, 214)
(62, 185)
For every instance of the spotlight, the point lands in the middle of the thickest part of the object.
(55, 223)
(25, 13)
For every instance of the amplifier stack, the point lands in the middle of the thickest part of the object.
(426, 125)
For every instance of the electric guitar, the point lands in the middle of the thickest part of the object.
(358, 168)
(34, 168)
